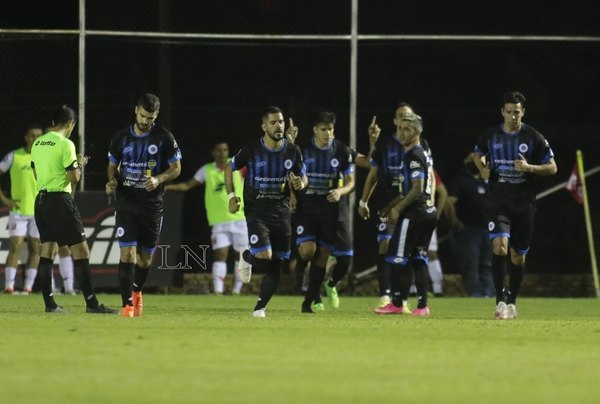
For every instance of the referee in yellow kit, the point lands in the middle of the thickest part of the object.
(57, 170)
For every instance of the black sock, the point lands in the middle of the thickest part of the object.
(383, 275)
(498, 274)
(316, 275)
(515, 279)
(396, 271)
(421, 282)
(126, 282)
(270, 280)
(342, 266)
(139, 278)
(44, 278)
(82, 269)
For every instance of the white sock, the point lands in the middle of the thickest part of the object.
(9, 277)
(65, 266)
(237, 284)
(435, 273)
(219, 271)
(30, 275)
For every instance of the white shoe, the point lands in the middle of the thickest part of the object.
(259, 313)
(245, 269)
(501, 311)
(511, 311)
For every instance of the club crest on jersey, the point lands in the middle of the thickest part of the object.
(335, 163)
(523, 148)
(120, 232)
(287, 164)
(491, 226)
(151, 163)
(253, 239)
(153, 149)
(299, 230)
(382, 226)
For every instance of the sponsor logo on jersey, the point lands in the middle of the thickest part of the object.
(414, 164)
(497, 146)
(260, 164)
(151, 163)
(415, 174)
(45, 143)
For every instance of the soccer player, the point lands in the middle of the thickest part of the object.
(510, 155)
(227, 228)
(21, 222)
(58, 169)
(142, 157)
(317, 215)
(413, 216)
(272, 163)
(381, 186)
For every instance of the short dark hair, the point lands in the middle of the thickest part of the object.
(324, 117)
(401, 104)
(149, 102)
(219, 142)
(63, 115)
(513, 97)
(270, 110)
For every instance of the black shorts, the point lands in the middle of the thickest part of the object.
(317, 223)
(58, 219)
(266, 232)
(141, 230)
(512, 220)
(344, 241)
(411, 236)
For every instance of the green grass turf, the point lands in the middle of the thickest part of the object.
(210, 349)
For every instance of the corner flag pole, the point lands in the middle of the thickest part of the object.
(588, 222)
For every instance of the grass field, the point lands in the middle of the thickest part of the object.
(210, 349)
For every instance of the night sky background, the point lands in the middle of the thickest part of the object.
(214, 89)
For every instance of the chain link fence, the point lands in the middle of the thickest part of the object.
(213, 86)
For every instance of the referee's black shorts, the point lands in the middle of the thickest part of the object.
(58, 219)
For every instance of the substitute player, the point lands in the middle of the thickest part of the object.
(142, 157)
(272, 163)
(21, 221)
(510, 155)
(228, 229)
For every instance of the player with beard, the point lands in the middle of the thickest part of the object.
(142, 157)
(273, 166)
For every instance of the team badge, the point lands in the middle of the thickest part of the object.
(335, 163)
(153, 149)
(287, 164)
(382, 226)
(151, 163)
(120, 232)
(299, 230)
(253, 239)
(523, 148)
(491, 226)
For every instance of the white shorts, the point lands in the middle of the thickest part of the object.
(433, 243)
(230, 233)
(22, 226)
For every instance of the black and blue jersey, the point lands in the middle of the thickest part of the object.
(138, 157)
(325, 168)
(418, 164)
(267, 173)
(502, 149)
